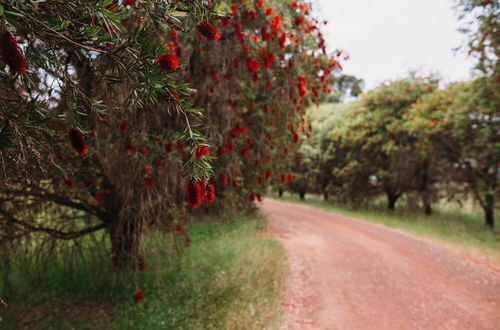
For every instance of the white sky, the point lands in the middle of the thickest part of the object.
(387, 38)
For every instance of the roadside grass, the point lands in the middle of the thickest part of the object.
(462, 229)
(229, 278)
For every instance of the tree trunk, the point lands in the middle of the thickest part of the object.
(488, 211)
(391, 201)
(427, 203)
(326, 196)
(302, 195)
(428, 208)
(125, 237)
(280, 191)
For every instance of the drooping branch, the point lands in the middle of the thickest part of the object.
(53, 232)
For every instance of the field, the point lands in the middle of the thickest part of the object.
(230, 277)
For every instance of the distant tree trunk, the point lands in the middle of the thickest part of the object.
(424, 191)
(326, 196)
(427, 203)
(302, 194)
(489, 211)
(428, 208)
(280, 191)
(391, 200)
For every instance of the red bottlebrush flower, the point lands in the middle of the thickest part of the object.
(174, 35)
(222, 180)
(129, 147)
(158, 163)
(293, 5)
(228, 147)
(209, 193)
(138, 296)
(99, 198)
(208, 30)
(295, 137)
(248, 141)
(178, 229)
(220, 152)
(76, 138)
(11, 54)
(260, 3)
(269, 173)
(149, 182)
(290, 177)
(266, 36)
(268, 11)
(261, 181)
(193, 193)
(259, 197)
(168, 147)
(283, 41)
(283, 178)
(130, 3)
(106, 191)
(168, 62)
(123, 126)
(70, 183)
(201, 152)
(244, 152)
(299, 20)
(141, 264)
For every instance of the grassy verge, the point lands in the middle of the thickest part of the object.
(459, 229)
(230, 277)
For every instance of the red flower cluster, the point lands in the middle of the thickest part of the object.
(193, 193)
(222, 180)
(208, 30)
(244, 152)
(77, 141)
(138, 296)
(209, 193)
(70, 183)
(168, 62)
(201, 152)
(11, 54)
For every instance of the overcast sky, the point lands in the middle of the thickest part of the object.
(387, 38)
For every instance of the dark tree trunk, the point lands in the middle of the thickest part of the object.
(326, 196)
(489, 211)
(391, 201)
(427, 203)
(302, 195)
(280, 192)
(125, 237)
(428, 208)
(424, 192)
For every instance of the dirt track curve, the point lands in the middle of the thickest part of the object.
(346, 273)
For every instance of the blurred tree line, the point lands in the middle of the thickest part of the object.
(412, 137)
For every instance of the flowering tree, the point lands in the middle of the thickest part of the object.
(101, 120)
(268, 65)
(96, 130)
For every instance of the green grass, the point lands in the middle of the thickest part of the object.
(459, 228)
(230, 277)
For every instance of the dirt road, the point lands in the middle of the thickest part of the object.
(346, 273)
